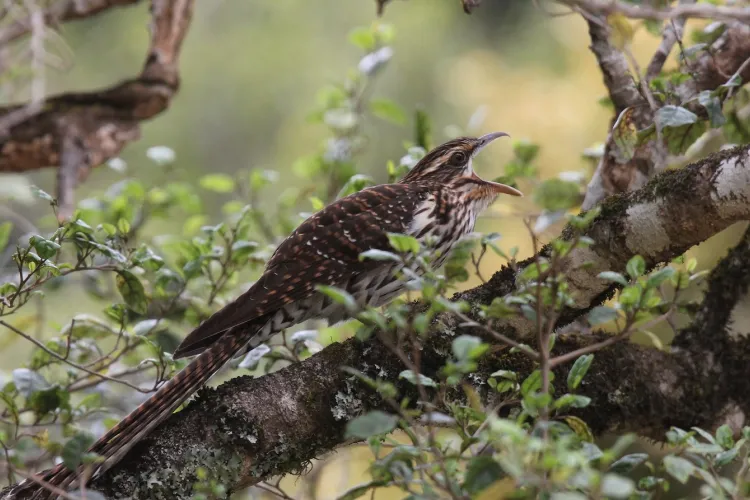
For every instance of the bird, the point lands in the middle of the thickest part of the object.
(437, 202)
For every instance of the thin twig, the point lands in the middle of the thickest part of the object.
(67, 361)
(641, 11)
(672, 34)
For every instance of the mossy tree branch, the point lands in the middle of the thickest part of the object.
(250, 429)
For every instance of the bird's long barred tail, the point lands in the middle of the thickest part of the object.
(140, 422)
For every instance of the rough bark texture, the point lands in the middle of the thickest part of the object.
(80, 130)
(250, 429)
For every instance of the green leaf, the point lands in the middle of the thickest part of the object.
(571, 401)
(388, 110)
(725, 436)
(371, 424)
(567, 495)
(412, 377)
(679, 468)
(614, 486)
(481, 473)
(123, 225)
(46, 249)
(218, 183)
(75, 448)
(626, 464)
(28, 381)
(614, 277)
(556, 194)
(648, 483)
(726, 457)
(403, 243)
(242, 249)
(355, 184)
(713, 108)
(636, 266)
(43, 195)
(525, 151)
(262, 178)
(533, 382)
(338, 295)
(147, 259)
(467, 347)
(625, 135)
(381, 255)
(506, 374)
(49, 400)
(580, 427)
(657, 278)
(132, 291)
(601, 314)
(679, 127)
(340, 119)
(580, 367)
(364, 38)
(674, 116)
(630, 296)
(5, 229)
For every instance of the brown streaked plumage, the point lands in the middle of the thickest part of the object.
(439, 200)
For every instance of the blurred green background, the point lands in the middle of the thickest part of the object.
(250, 75)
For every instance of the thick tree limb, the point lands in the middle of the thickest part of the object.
(250, 429)
(101, 122)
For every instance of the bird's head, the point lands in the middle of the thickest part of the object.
(450, 165)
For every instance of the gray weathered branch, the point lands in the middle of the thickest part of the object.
(250, 429)
(102, 122)
(643, 11)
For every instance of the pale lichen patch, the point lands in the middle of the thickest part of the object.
(582, 269)
(733, 416)
(646, 233)
(731, 187)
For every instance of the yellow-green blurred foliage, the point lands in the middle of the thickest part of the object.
(250, 73)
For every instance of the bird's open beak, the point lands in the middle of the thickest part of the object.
(496, 186)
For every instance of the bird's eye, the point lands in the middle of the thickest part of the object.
(458, 159)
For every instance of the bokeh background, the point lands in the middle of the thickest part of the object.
(250, 75)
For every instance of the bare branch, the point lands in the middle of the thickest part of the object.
(642, 11)
(614, 66)
(672, 33)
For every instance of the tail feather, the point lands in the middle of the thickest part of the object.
(116, 443)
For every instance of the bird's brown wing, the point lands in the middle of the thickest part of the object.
(323, 250)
